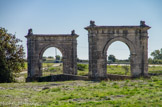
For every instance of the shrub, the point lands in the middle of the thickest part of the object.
(11, 56)
(81, 67)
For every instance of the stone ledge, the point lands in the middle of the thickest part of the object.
(59, 77)
(66, 77)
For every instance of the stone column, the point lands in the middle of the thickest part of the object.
(32, 57)
(74, 56)
(92, 55)
(134, 65)
(70, 56)
(144, 39)
(97, 61)
(101, 66)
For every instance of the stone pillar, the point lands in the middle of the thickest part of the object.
(70, 57)
(69, 63)
(101, 66)
(74, 56)
(97, 62)
(92, 61)
(144, 45)
(32, 57)
(139, 63)
(134, 65)
(92, 55)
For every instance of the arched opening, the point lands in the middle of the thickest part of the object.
(52, 61)
(118, 58)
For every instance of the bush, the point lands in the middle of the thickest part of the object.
(154, 61)
(157, 61)
(11, 56)
(81, 67)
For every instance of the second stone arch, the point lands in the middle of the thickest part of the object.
(101, 37)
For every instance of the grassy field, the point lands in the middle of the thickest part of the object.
(127, 93)
(111, 69)
(52, 69)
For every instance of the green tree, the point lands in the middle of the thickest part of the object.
(11, 56)
(157, 54)
(44, 59)
(111, 58)
(51, 57)
(150, 60)
(58, 57)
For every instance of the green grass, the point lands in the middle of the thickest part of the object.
(122, 70)
(51, 70)
(47, 64)
(111, 69)
(44, 65)
(84, 71)
(25, 66)
(59, 69)
(155, 69)
(117, 69)
(138, 93)
(126, 93)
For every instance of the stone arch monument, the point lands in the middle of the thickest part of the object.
(38, 43)
(101, 37)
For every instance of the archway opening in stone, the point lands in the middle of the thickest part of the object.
(118, 59)
(52, 62)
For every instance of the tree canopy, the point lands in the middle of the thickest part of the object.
(11, 56)
(157, 54)
(112, 58)
(58, 57)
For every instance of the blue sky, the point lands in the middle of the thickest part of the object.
(62, 16)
